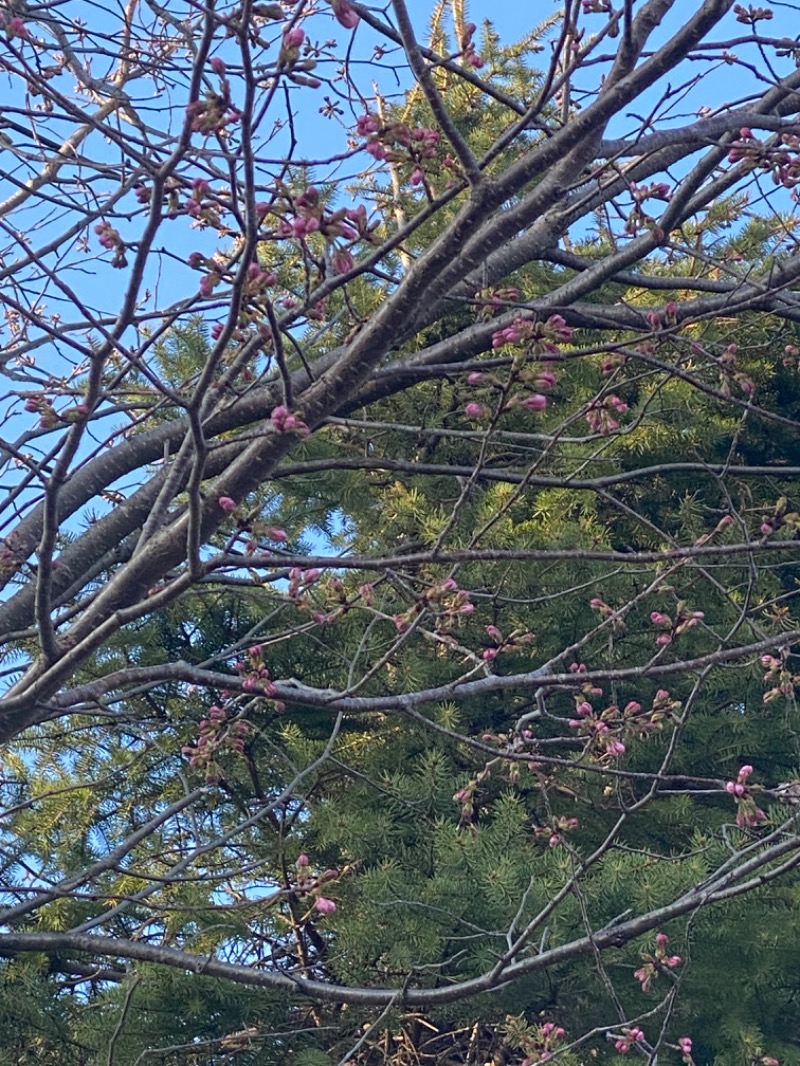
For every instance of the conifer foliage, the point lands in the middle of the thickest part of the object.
(400, 507)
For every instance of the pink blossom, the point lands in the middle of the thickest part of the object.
(345, 14)
(535, 402)
(227, 504)
(324, 906)
(342, 261)
(685, 1044)
(218, 65)
(475, 378)
(274, 533)
(475, 410)
(294, 37)
(367, 124)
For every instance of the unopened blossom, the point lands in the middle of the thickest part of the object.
(324, 906)
(227, 504)
(475, 410)
(345, 14)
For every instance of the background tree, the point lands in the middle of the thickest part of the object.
(400, 597)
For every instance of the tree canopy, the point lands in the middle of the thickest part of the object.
(400, 506)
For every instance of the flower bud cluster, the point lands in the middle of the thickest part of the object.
(781, 518)
(490, 302)
(286, 422)
(748, 813)
(656, 962)
(215, 111)
(639, 219)
(628, 1038)
(415, 148)
(219, 734)
(310, 884)
(110, 239)
(468, 53)
(670, 627)
(781, 160)
(517, 639)
(554, 832)
(449, 603)
(778, 675)
(729, 374)
(540, 1042)
(538, 338)
(256, 677)
(601, 415)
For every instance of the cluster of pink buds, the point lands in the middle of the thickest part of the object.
(670, 628)
(415, 146)
(468, 53)
(685, 1048)
(286, 422)
(41, 404)
(554, 833)
(255, 674)
(782, 160)
(781, 518)
(199, 207)
(601, 416)
(517, 639)
(300, 581)
(258, 280)
(748, 813)
(14, 26)
(779, 676)
(656, 962)
(628, 1038)
(489, 302)
(450, 601)
(540, 338)
(657, 190)
(638, 219)
(601, 729)
(465, 797)
(217, 735)
(216, 110)
(308, 883)
(111, 239)
(730, 375)
(541, 1042)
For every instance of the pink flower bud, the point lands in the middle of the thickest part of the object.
(226, 503)
(474, 410)
(294, 38)
(324, 906)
